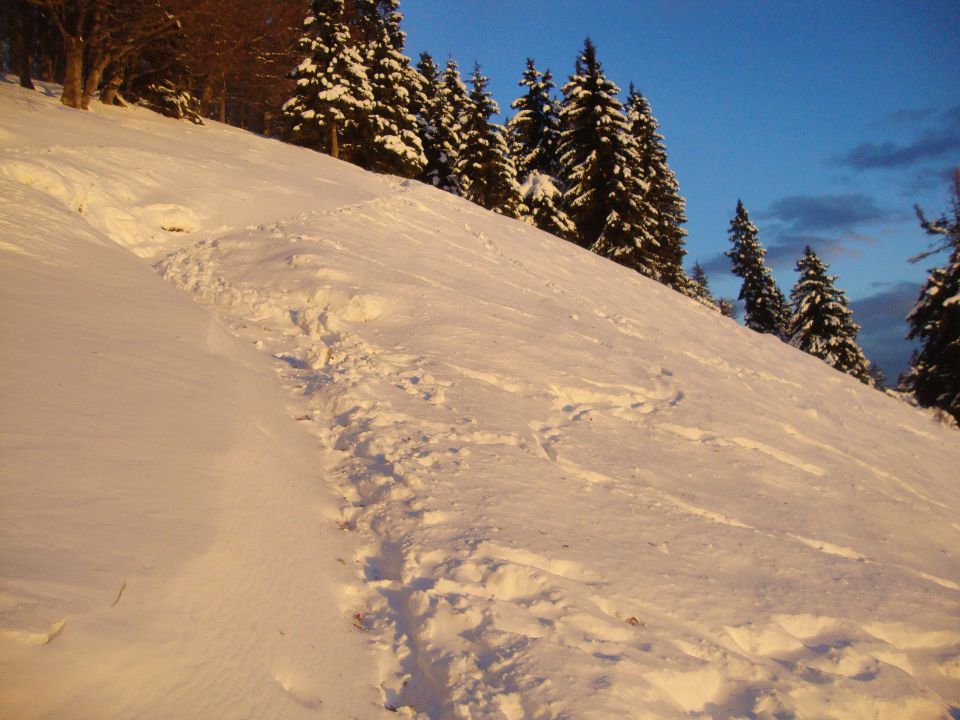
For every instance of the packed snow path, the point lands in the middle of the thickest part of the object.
(573, 492)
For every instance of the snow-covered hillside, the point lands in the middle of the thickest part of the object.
(405, 455)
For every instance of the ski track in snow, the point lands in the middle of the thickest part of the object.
(474, 609)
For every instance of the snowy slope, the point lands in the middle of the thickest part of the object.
(473, 472)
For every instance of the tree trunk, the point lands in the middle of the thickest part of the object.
(23, 62)
(49, 46)
(334, 143)
(73, 78)
(94, 76)
(111, 88)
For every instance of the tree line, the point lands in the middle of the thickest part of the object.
(817, 319)
(585, 166)
(222, 59)
(575, 161)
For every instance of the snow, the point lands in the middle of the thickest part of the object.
(307, 67)
(538, 186)
(354, 443)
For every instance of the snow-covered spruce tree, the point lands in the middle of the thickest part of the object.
(934, 373)
(438, 129)
(663, 194)
(485, 169)
(600, 166)
(822, 323)
(543, 203)
(455, 92)
(425, 86)
(386, 138)
(331, 83)
(534, 129)
(766, 309)
(533, 134)
(700, 287)
(429, 90)
(877, 378)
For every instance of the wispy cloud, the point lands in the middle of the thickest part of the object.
(716, 264)
(787, 247)
(894, 301)
(826, 212)
(927, 180)
(830, 224)
(907, 116)
(931, 144)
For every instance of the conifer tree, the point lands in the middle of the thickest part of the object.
(934, 373)
(877, 378)
(535, 128)
(485, 169)
(429, 85)
(663, 194)
(331, 83)
(452, 104)
(601, 170)
(766, 309)
(438, 128)
(822, 323)
(455, 92)
(543, 203)
(534, 135)
(386, 138)
(426, 87)
(700, 287)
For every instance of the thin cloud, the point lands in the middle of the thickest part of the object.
(788, 247)
(895, 301)
(926, 180)
(716, 264)
(883, 327)
(909, 116)
(826, 212)
(931, 144)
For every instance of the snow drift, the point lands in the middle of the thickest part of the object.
(405, 455)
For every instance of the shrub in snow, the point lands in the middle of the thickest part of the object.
(166, 99)
(700, 288)
(544, 206)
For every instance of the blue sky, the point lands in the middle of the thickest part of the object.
(829, 119)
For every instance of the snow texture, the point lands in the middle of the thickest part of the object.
(405, 454)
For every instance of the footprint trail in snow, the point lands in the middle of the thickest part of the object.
(556, 527)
